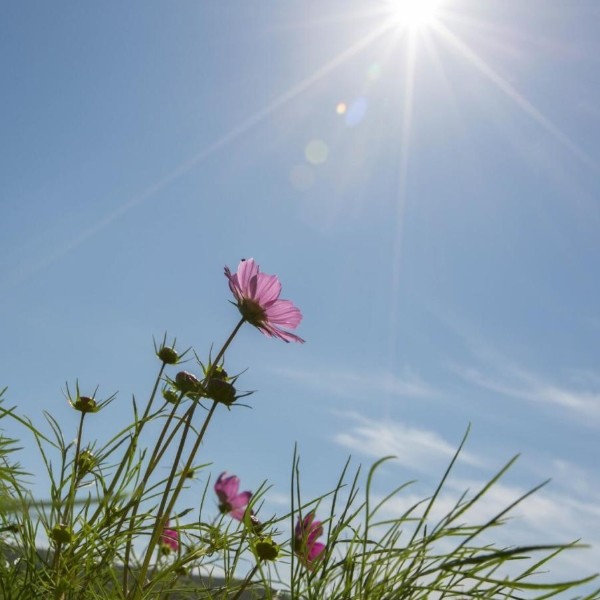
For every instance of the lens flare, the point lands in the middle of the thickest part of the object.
(316, 152)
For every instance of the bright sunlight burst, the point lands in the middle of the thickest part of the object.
(414, 13)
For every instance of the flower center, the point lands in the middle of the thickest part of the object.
(252, 311)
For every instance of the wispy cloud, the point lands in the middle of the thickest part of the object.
(575, 390)
(581, 399)
(360, 384)
(566, 510)
(556, 514)
(546, 517)
(415, 448)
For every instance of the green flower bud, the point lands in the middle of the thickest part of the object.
(187, 383)
(219, 373)
(61, 534)
(168, 355)
(266, 549)
(221, 391)
(255, 525)
(85, 404)
(170, 395)
(85, 462)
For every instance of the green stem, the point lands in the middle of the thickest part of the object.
(165, 510)
(124, 462)
(246, 582)
(138, 493)
(132, 445)
(68, 515)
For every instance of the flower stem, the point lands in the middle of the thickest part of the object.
(165, 509)
(125, 461)
(68, 514)
(245, 583)
(130, 448)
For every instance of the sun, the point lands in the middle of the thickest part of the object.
(414, 14)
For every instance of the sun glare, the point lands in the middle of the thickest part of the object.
(414, 13)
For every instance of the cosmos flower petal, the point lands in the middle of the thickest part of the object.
(283, 312)
(170, 537)
(316, 531)
(246, 273)
(227, 487)
(238, 513)
(268, 288)
(257, 296)
(240, 500)
(281, 334)
(315, 550)
(233, 284)
(306, 546)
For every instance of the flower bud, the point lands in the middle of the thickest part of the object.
(255, 525)
(85, 462)
(170, 395)
(221, 391)
(85, 404)
(61, 534)
(187, 383)
(168, 355)
(219, 373)
(266, 549)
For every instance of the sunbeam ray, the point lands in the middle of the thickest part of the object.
(407, 116)
(514, 95)
(185, 167)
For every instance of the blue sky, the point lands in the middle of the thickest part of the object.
(428, 197)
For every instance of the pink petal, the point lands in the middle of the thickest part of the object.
(247, 270)
(227, 487)
(273, 331)
(233, 284)
(304, 525)
(238, 513)
(249, 283)
(170, 538)
(283, 312)
(316, 531)
(315, 550)
(267, 290)
(240, 500)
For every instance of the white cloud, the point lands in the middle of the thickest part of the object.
(545, 517)
(278, 498)
(580, 400)
(415, 448)
(566, 510)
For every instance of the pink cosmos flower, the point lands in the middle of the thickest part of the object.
(170, 538)
(306, 546)
(230, 502)
(257, 296)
